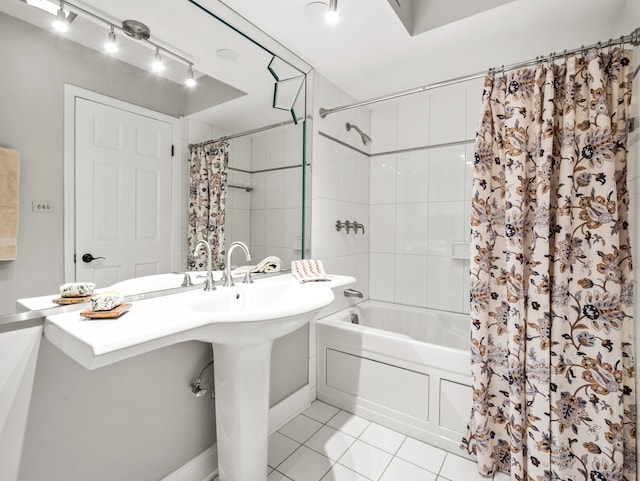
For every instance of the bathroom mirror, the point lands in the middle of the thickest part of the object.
(234, 95)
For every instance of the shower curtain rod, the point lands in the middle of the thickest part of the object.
(242, 134)
(633, 38)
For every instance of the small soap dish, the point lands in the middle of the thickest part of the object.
(65, 301)
(111, 314)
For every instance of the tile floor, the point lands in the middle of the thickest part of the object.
(325, 443)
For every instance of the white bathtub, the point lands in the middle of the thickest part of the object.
(403, 367)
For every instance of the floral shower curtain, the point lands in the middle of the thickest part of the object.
(207, 195)
(551, 282)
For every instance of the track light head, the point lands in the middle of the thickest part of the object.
(190, 81)
(157, 65)
(332, 15)
(111, 46)
(60, 23)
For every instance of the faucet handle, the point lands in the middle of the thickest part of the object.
(247, 278)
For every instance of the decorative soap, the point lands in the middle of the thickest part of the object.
(77, 289)
(106, 300)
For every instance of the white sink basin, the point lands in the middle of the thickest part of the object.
(253, 312)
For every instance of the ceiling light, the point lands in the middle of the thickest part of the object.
(190, 81)
(111, 46)
(60, 23)
(157, 65)
(332, 15)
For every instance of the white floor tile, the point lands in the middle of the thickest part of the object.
(320, 411)
(349, 423)
(340, 473)
(305, 465)
(330, 442)
(300, 428)
(400, 470)
(276, 476)
(365, 459)
(383, 438)
(422, 454)
(457, 468)
(280, 447)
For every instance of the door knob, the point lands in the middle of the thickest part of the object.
(89, 258)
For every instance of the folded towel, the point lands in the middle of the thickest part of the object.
(268, 264)
(9, 196)
(308, 270)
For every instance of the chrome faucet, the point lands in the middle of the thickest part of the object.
(208, 283)
(228, 280)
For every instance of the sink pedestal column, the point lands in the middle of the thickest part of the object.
(242, 409)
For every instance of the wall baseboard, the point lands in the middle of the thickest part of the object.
(205, 465)
(201, 468)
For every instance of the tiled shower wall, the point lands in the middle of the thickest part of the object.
(419, 197)
(340, 189)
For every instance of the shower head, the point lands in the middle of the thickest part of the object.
(366, 140)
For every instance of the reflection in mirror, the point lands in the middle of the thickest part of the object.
(233, 95)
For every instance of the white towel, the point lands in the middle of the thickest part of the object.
(9, 197)
(308, 270)
(268, 264)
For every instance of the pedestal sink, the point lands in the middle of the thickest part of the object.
(248, 319)
(240, 322)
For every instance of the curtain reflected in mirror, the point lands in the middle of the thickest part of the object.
(207, 200)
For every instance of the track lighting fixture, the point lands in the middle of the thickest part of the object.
(111, 46)
(190, 81)
(157, 65)
(60, 23)
(332, 14)
(65, 12)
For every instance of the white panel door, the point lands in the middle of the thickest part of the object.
(123, 194)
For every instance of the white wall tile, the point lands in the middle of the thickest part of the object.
(445, 281)
(383, 179)
(292, 188)
(446, 224)
(382, 277)
(411, 280)
(447, 121)
(273, 234)
(258, 152)
(325, 236)
(474, 105)
(382, 230)
(240, 153)
(346, 178)
(384, 124)
(412, 226)
(241, 226)
(362, 174)
(447, 173)
(470, 150)
(274, 148)
(293, 145)
(412, 182)
(273, 186)
(325, 170)
(259, 193)
(413, 121)
(258, 224)
(362, 274)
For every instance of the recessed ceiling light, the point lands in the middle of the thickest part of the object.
(316, 10)
(227, 54)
